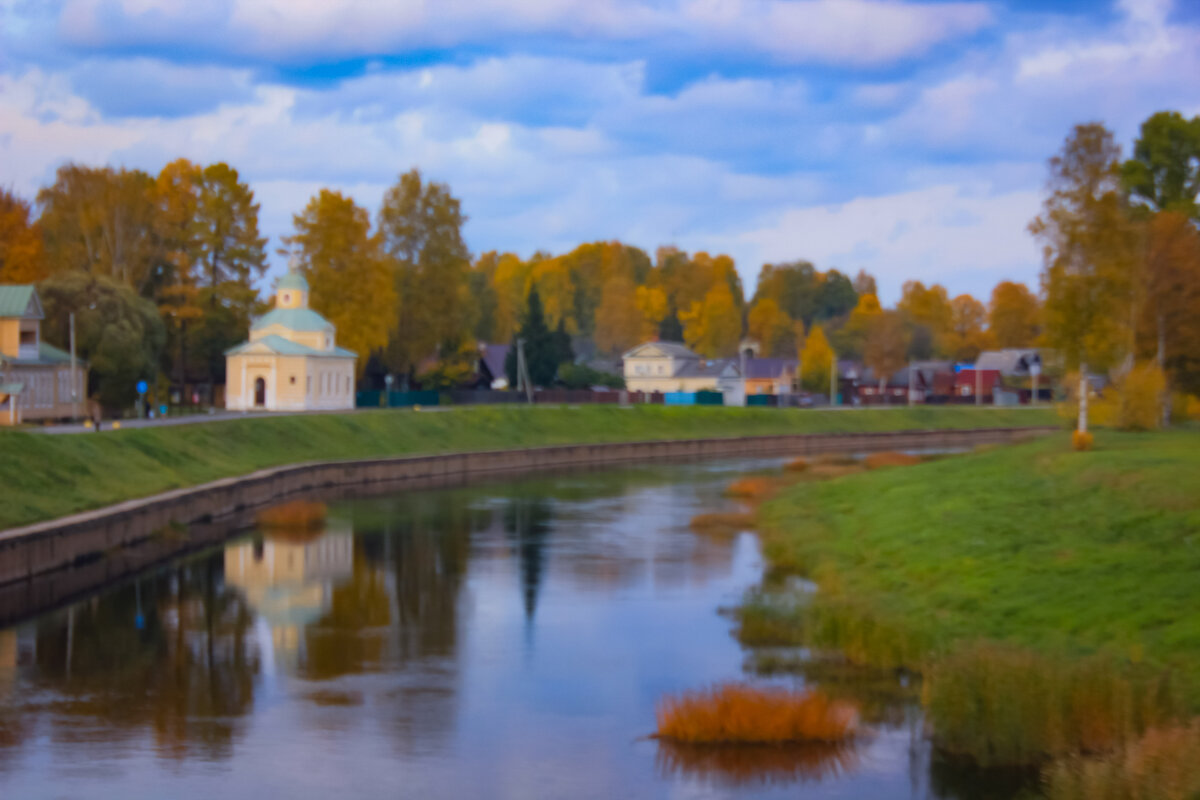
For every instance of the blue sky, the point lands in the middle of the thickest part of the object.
(905, 138)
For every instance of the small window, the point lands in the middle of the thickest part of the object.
(292, 380)
(28, 338)
(287, 298)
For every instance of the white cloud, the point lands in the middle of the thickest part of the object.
(855, 32)
(965, 237)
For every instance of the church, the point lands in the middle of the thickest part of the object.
(291, 362)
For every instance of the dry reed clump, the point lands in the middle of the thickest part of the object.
(749, 765)
(738, 714)
(796, 465)
(294, 515)
(1002, 705)
(890, 459)
(722, 523)
(1162, 765)
(1081, 440)
(754, 489)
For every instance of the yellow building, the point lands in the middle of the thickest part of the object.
(35, 378)
(291, 362)
(670, 367)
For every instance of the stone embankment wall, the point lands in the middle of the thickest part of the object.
(216, 509)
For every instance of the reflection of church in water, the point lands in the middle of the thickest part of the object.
(289, 579)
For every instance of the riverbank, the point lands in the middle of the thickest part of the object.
(51, 476)
(1048, 597)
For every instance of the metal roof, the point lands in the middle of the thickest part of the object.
(19, 301)
(292, 280)
(294, 319)
(278, 345)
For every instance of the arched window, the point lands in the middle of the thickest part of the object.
(260, 392)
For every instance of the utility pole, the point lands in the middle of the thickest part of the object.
(74, 375)
(978, 385)
(912, 384)
(833, 387)
(523, 372)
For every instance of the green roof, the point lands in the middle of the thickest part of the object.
(47, 355)
(11, 388)
(294, 319)
(15, 300)
(286, 347)
(293, 280)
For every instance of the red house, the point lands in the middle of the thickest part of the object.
(964, 383)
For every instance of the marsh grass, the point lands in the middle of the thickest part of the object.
(999, 704)
(1162, 765)
(796, 465)
(739, 766)
(890, 459)
(733, 713)
(722, 523)
(755, 488)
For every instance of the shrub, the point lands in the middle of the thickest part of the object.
(1139, 395)
(1000, 705)
(1162, 765)
(1081, 440)
(796, 465)
(753, 489)
(737, 713)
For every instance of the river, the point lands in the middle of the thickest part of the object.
(505, 640)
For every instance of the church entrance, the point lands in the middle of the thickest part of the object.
(260, 392)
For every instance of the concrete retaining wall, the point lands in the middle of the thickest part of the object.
(44, 547)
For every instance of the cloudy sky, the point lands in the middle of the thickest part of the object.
(906, 138)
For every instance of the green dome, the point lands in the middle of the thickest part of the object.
(292, 280)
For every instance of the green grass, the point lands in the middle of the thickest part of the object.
(50, 476)
(1033, 545)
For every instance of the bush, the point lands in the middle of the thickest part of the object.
(1139, 395)
(1162, 765)
(581, 376)
(1081, 440)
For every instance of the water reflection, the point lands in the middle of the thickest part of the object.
(504, 640)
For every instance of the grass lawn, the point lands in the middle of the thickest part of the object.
(50, 476)
(1032, 545)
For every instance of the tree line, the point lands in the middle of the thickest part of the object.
(161, 272)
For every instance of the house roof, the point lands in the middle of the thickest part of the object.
(702, 369)
(494, 357)
(12, 387)
(292, 280)
(1010, 361)
(277, 345)
(672, 349)
(47, 355)
(764, 368)
(19, 301)
(294, 319)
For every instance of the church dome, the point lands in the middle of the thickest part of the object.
(292, 280)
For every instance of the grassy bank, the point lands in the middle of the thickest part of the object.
(1049, 597)
(1032, 544)
(49, 476)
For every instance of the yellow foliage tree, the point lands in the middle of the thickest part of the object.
(816, 361)
(1014, 315)
(772, 328)
(967, 337)
(619, 321)
(21, 257)
(929, 307)
(652, 302)
(852, 338)
(556, 286)
(713, 327)
(350, 280)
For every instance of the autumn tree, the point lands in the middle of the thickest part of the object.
(352, 284)
(652, 302)
(836, 296)
(864, 283)
(510, 279)
(420, 223)
(713, 327)
(928, 310)
(771, 328)
(816, 361)
(100, 221)
(177, 231)
(1169, 327)
(968, 336)
(619, 321)
(1088, 250)
(886, 347)
(1014, 315)
(852, 338)
(22, 258)
(1164, 173)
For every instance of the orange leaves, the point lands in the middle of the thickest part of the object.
(736, 713)
(293, 515)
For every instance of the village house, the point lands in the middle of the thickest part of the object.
(670, 367)
(37, 381)
(291, 362)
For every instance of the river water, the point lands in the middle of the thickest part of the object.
(505, 640)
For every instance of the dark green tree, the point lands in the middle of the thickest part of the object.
(542, 348)
(118, 333)
(1164, 172)
(835, 296)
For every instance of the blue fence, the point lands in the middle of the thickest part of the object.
(694, 399)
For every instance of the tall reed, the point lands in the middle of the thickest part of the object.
(736, 713)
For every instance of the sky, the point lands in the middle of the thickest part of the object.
(908, 139)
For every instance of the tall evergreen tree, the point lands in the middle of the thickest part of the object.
(543, 349)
